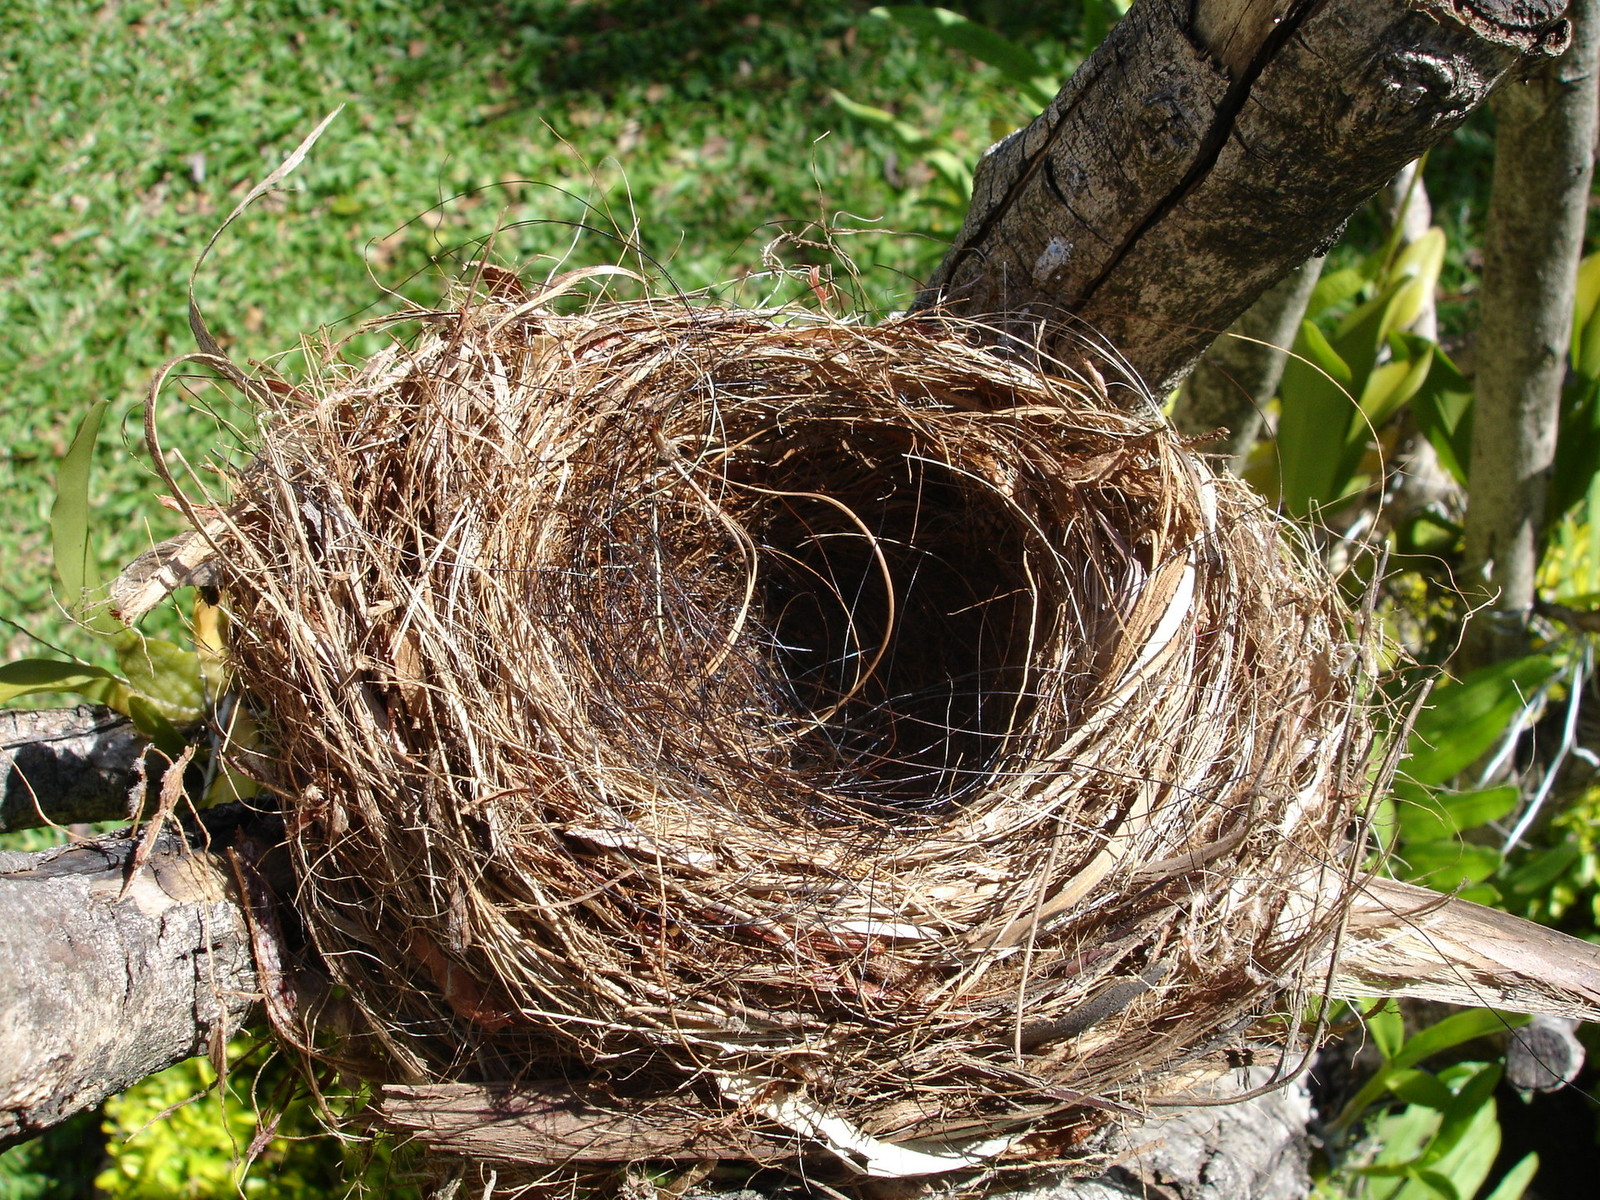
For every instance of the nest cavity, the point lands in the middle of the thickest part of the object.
(737, 706)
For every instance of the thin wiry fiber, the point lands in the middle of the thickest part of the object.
(786, 716)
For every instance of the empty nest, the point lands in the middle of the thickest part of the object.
(843, 731)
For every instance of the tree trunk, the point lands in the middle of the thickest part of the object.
(1544, 156)
(110, 975)
(1191, 163)
(1240, 373)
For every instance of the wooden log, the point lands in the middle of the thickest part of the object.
(553, 1123)
(1405, 940)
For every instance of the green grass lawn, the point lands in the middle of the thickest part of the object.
(695, 132)
(128, 131)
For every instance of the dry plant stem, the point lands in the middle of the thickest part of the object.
(1171, 181)
(96, 993)
(1236, 378)
(554, 1124)
(1405, 940)
(65, 766)
(1538, 204)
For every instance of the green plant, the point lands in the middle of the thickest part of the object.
(1442, 408)
(161, 686)
(1575, 477)
(1423, 828)
(1412, 1134)
(183, 1135)
(60, 1164)
(1346, 381)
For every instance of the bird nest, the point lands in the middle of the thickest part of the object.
(848, 734)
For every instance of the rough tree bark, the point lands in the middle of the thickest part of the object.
(1544, 157)
(65, 766)
(108, 974)
(1191, 163)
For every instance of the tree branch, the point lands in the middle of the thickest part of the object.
(64, 766)
(1187, 166)
(1253, 1150)
(1538, 205)
(110, 977)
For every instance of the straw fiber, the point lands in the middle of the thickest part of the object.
(845, 732)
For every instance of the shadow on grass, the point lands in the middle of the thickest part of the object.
(696, 48)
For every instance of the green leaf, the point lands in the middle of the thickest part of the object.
(1463, 1111)
(1427, 816)
(1442, 407)
(1316, 408)
(1361, 335)
(1016, 63)
(1385, 823)
(1395, 382)
(910, 137)
(1416, 274)
(952, 168)
(1445, 866)
(1415, 1086)
(1485, 894)
(1095, 23)
(1386, 1170)
(29, 676)
(1467, 1165)
(1543, 869)
(1587, 350)
(1577, 462)
(1389, 385)
(1439, 1185)
(69, 515)
(166, 675)
(1594, 534)
(1334, 289)
(1429, 532)
(1515, 1181)
(1465, 719)
(1586, 298)
(1402, 1136)
(1453, 1031)
(1584, 601)
(149, 720)
(1387, 1029)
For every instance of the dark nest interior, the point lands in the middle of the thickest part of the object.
(844, 733)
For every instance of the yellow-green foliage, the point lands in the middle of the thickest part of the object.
(177, 1136)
